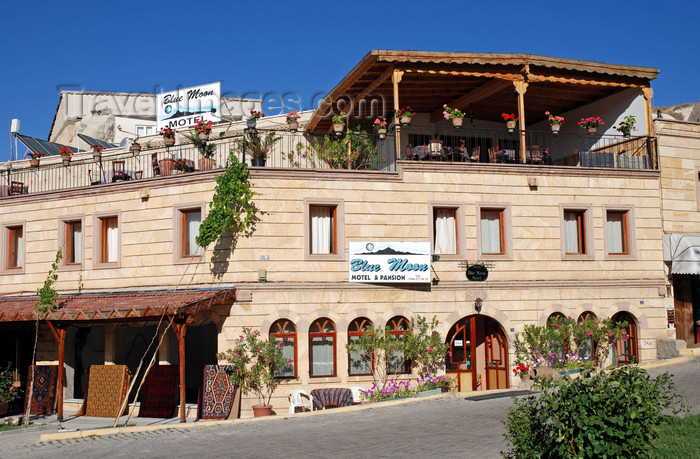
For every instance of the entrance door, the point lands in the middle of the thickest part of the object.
(478, 354)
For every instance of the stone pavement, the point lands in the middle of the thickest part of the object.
(446, 426)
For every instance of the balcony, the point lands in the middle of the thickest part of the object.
(353, 150)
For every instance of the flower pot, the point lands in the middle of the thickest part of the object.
(203, 136)
(206, 164)
(169, 141)
(96, 155)
(592, 130)
(165, 166)
(294, 126)
(555, 128)
(405, 120)
(136, 149)
(510, 125)
(34, 162)
(428, 393)
(258, 162)
(338, 127)
(457, 122)
(626, 136)
(382, 133)
(66, 160)
(251, 123)
(265, 410)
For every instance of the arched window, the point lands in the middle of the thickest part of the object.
(396, 363)
(587, 348)
(359, 364)
(625, 350)
(283, 331)
(322, 348)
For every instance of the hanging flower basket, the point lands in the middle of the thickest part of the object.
(294, 126)
(457, 122)
(169, 141)
(382, 133)
(34, 162)
(66, 160)
(555, 128)
(136, 148)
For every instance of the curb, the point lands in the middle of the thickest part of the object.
(665, 362)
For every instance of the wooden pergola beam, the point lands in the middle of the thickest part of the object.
(482, 92)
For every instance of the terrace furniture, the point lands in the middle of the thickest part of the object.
(492, 155)
(154, 164)
(16, 188)
(336, 396)
(296, 399)
(436, 150)
(118, 172)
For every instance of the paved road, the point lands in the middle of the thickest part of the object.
(438, 427)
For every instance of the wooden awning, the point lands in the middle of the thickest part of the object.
(117, 306)
(481, 84)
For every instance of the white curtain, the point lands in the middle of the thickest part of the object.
(445, 231)
(192, 221)
(112, 241)
(571, 236)
(77, 243)
(321, 229)
(491, 232)
(321, 356)
(615, 233)
(20, 247)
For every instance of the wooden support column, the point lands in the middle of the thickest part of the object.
(520, 88)
(180, 330)
(395, 79)
(60, 335)
(648, 94)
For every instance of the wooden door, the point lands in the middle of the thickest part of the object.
(496, 357)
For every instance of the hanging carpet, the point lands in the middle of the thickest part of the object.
(217, 394)
(159, 394)
(44, 390)
(107, 388)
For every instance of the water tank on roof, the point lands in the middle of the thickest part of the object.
(14, 126)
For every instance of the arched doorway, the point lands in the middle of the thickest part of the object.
(478, 354)
(625, 349)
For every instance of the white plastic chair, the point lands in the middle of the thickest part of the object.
(296, 400)
(356, 394)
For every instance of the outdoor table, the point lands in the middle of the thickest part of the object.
(331, 396)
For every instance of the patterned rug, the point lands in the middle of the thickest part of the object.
(159, 396)
(107, 387)
(44, 390)
(217, 395)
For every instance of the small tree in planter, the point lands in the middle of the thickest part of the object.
(255, 362)
(8, 392)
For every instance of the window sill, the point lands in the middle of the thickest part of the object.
(107, 265)
(324, 379)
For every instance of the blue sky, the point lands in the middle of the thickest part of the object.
(307, 47)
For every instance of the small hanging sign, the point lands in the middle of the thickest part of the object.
(477, 273)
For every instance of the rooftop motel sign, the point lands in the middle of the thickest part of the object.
(180, 109)
(389, 262)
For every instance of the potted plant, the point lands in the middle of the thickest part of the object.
(453, 114)
(293, 121)
(97, 152)
(207, 150)
(253, 118)
(554, 122)
(254, 363)
(626, 126)
(510, 120)
(66, 155)
(181, 165)
(8, 390)
(433, 385)
(136, 146)
(202, 129)
(34, 158)
(380, 125)
(591, 124)
(258, 146)
(168, 134)
(405, 115)
(339, 122)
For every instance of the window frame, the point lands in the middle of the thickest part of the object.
(320, 323)
(459, 211)
(98, 240)
(588, 230)
(63, 233)
(338, 229)
(630, 230)
(179, 230)
(506, 231)
(8, 230)
(391, 329)
(282, 326)
(360, 323)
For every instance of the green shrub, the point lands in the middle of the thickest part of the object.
(608, 414)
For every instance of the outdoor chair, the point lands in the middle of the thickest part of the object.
(356, 394)
(296, 399)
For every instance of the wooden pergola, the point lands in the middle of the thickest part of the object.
(178, 307)
(482, 84)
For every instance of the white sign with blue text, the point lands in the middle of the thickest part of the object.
(389, 262)
(182, 108)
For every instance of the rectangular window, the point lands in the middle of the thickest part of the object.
(109, 239)
(190, 221)
(15, 245)
(616, 228)
(574, 232)
(323, 228)
(492, 234)
(73, 242)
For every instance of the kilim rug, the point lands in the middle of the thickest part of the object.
(107, 387)
(159, 394)
(44, 390)
(217, 393)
